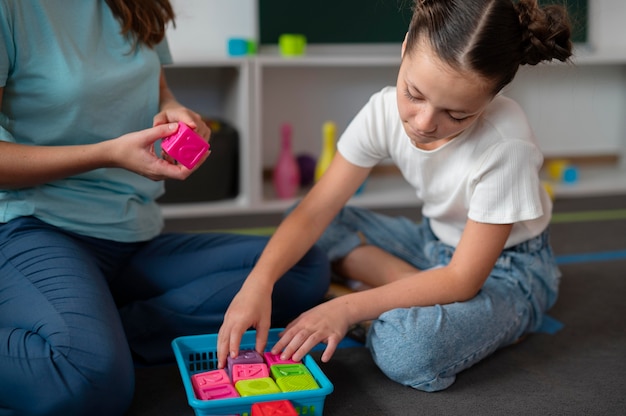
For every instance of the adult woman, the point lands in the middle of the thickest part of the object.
(84, 269)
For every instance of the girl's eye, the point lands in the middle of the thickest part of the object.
(410, 97)
(457, 120)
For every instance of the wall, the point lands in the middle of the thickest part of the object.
(203, 27)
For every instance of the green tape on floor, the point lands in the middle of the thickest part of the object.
(583, 216)
(557, 218)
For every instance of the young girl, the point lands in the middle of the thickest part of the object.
(478, 273)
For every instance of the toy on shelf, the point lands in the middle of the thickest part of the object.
(306, 164)
(562, 170)
(292, 44)
(329, 133)
(286, 171)
(275, 408)
(241, 47)
(185, 146)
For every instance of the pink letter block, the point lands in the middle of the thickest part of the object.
(186, 146)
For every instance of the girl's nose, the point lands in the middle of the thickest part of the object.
(425, 120)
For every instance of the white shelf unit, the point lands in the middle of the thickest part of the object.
(575, 109)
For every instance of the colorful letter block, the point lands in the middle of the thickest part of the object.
(276, 408)
(256, 386)
(272, 359)
(244, 357)
(248, 371)
(186, 146)
(215, 392)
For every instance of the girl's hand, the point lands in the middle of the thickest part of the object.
(327, 323)
(250, 308)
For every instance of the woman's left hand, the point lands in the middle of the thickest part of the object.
(174, 112)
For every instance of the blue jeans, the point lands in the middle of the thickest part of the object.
(425, 347)
(76, 313)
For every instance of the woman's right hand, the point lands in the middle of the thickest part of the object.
(24, 166)
(135, 152)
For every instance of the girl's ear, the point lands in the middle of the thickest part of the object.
(404, 45)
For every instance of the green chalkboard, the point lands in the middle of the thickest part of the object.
(362, 21)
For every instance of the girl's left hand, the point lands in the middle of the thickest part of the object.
(326, 323)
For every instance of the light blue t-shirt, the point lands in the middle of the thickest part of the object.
(70, 77)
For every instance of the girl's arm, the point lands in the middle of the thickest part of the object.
(471, 264)
(251, 307)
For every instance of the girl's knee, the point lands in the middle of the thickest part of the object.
(406, 357)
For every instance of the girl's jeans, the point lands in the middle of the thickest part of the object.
(425, 347)
(72, 308)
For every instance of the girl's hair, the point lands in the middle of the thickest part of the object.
(491, 37)
(145, 20)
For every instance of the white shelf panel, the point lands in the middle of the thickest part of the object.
(593, 181)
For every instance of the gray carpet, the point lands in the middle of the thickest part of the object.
(580, 370)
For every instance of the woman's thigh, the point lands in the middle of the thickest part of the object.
(63, 345)
(182, 284)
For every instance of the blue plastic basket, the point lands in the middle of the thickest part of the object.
(198, 353)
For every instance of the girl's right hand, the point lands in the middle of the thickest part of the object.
(250, 308)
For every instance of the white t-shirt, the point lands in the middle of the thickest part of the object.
(489, 173)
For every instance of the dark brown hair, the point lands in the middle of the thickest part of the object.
(491, 37)
(145, 20)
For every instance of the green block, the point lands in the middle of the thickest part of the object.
(256, 387)
(297, 383)
(284, 370)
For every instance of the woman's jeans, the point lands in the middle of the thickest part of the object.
(72, 308)
(425, 347)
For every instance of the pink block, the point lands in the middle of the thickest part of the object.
(248, 371)
(186, 146)
(216, 392)
(207, 379)
(272, 359)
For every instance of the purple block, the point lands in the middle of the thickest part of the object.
(244, 357)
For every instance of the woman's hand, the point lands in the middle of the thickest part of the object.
(327, 323)
(250, 308)
(135, 152)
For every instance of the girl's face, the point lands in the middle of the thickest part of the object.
(436, 102)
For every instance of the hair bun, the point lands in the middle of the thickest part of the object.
(545, 32)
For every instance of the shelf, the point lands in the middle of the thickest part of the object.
(575, 108)
(593, 181)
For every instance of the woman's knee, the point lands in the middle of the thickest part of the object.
(62, 381)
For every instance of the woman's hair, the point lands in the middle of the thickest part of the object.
(145, 20)
(491, 37)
